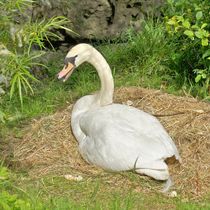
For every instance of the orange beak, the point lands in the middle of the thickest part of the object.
(66, 72)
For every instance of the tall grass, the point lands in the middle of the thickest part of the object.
(143, 59)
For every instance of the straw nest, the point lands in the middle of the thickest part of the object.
(48, 146)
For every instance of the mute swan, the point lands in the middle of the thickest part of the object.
(113, 136)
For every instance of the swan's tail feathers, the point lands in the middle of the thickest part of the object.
(155, 174)
(167, 185)
(176, 155)
(162, 175)
(178, 158)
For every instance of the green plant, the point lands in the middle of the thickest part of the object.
(189, 27)
(16, 54)
(2, 116)
(40, 31)
(13, 200)
(17, 67)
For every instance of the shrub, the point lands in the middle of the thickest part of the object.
(16, 54)
(187, 24)
(14, 200)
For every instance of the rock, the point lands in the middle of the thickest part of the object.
(98, 19)
(173, 194)
(73, 178)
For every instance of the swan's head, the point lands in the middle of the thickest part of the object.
(76, 56)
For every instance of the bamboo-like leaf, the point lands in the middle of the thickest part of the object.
(29, 75)
(24, 84)
(49, 42)
(32, 57)
(39, 64)
(19, 87)
(13, 83)
(24, 80)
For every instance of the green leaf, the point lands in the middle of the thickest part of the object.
(189, 33)
(203, 75)
(179, 18)
(186, 24)
(205, 33)
(204, 25)
(12, 88)
(199, 15)
(204, 42)
(195, 27)
(4, 205)
(2, 119)
(172, 22)
(198, 78)
(199, 34)
(206, 54)
(25, 82)
(19, 87)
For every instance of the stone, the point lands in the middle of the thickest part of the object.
(99, 19)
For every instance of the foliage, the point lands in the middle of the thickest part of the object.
(14, 200)
(17, 67)
(9, 201)
(2, 116)
(188, 23)
(17, 40)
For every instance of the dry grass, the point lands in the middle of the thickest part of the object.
(48, 146)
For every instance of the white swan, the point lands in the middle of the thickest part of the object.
(113, 136)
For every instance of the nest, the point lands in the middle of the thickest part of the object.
(49, 147)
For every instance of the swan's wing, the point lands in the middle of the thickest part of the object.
(121, 134)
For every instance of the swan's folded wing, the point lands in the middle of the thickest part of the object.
(124, 135)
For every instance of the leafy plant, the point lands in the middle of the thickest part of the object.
(16, 54)
(40, 31)
(189, 27)
(19, 66)
(13, 200)
(4, 173)
(2, 116)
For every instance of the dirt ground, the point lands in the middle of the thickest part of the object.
(47, 145)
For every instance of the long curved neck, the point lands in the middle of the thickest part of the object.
(105, 96)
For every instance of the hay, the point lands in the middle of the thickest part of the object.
(48, 146)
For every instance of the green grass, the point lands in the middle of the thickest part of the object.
(105, 191)
(142, 61)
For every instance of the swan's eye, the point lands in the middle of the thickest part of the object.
(70, 60)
